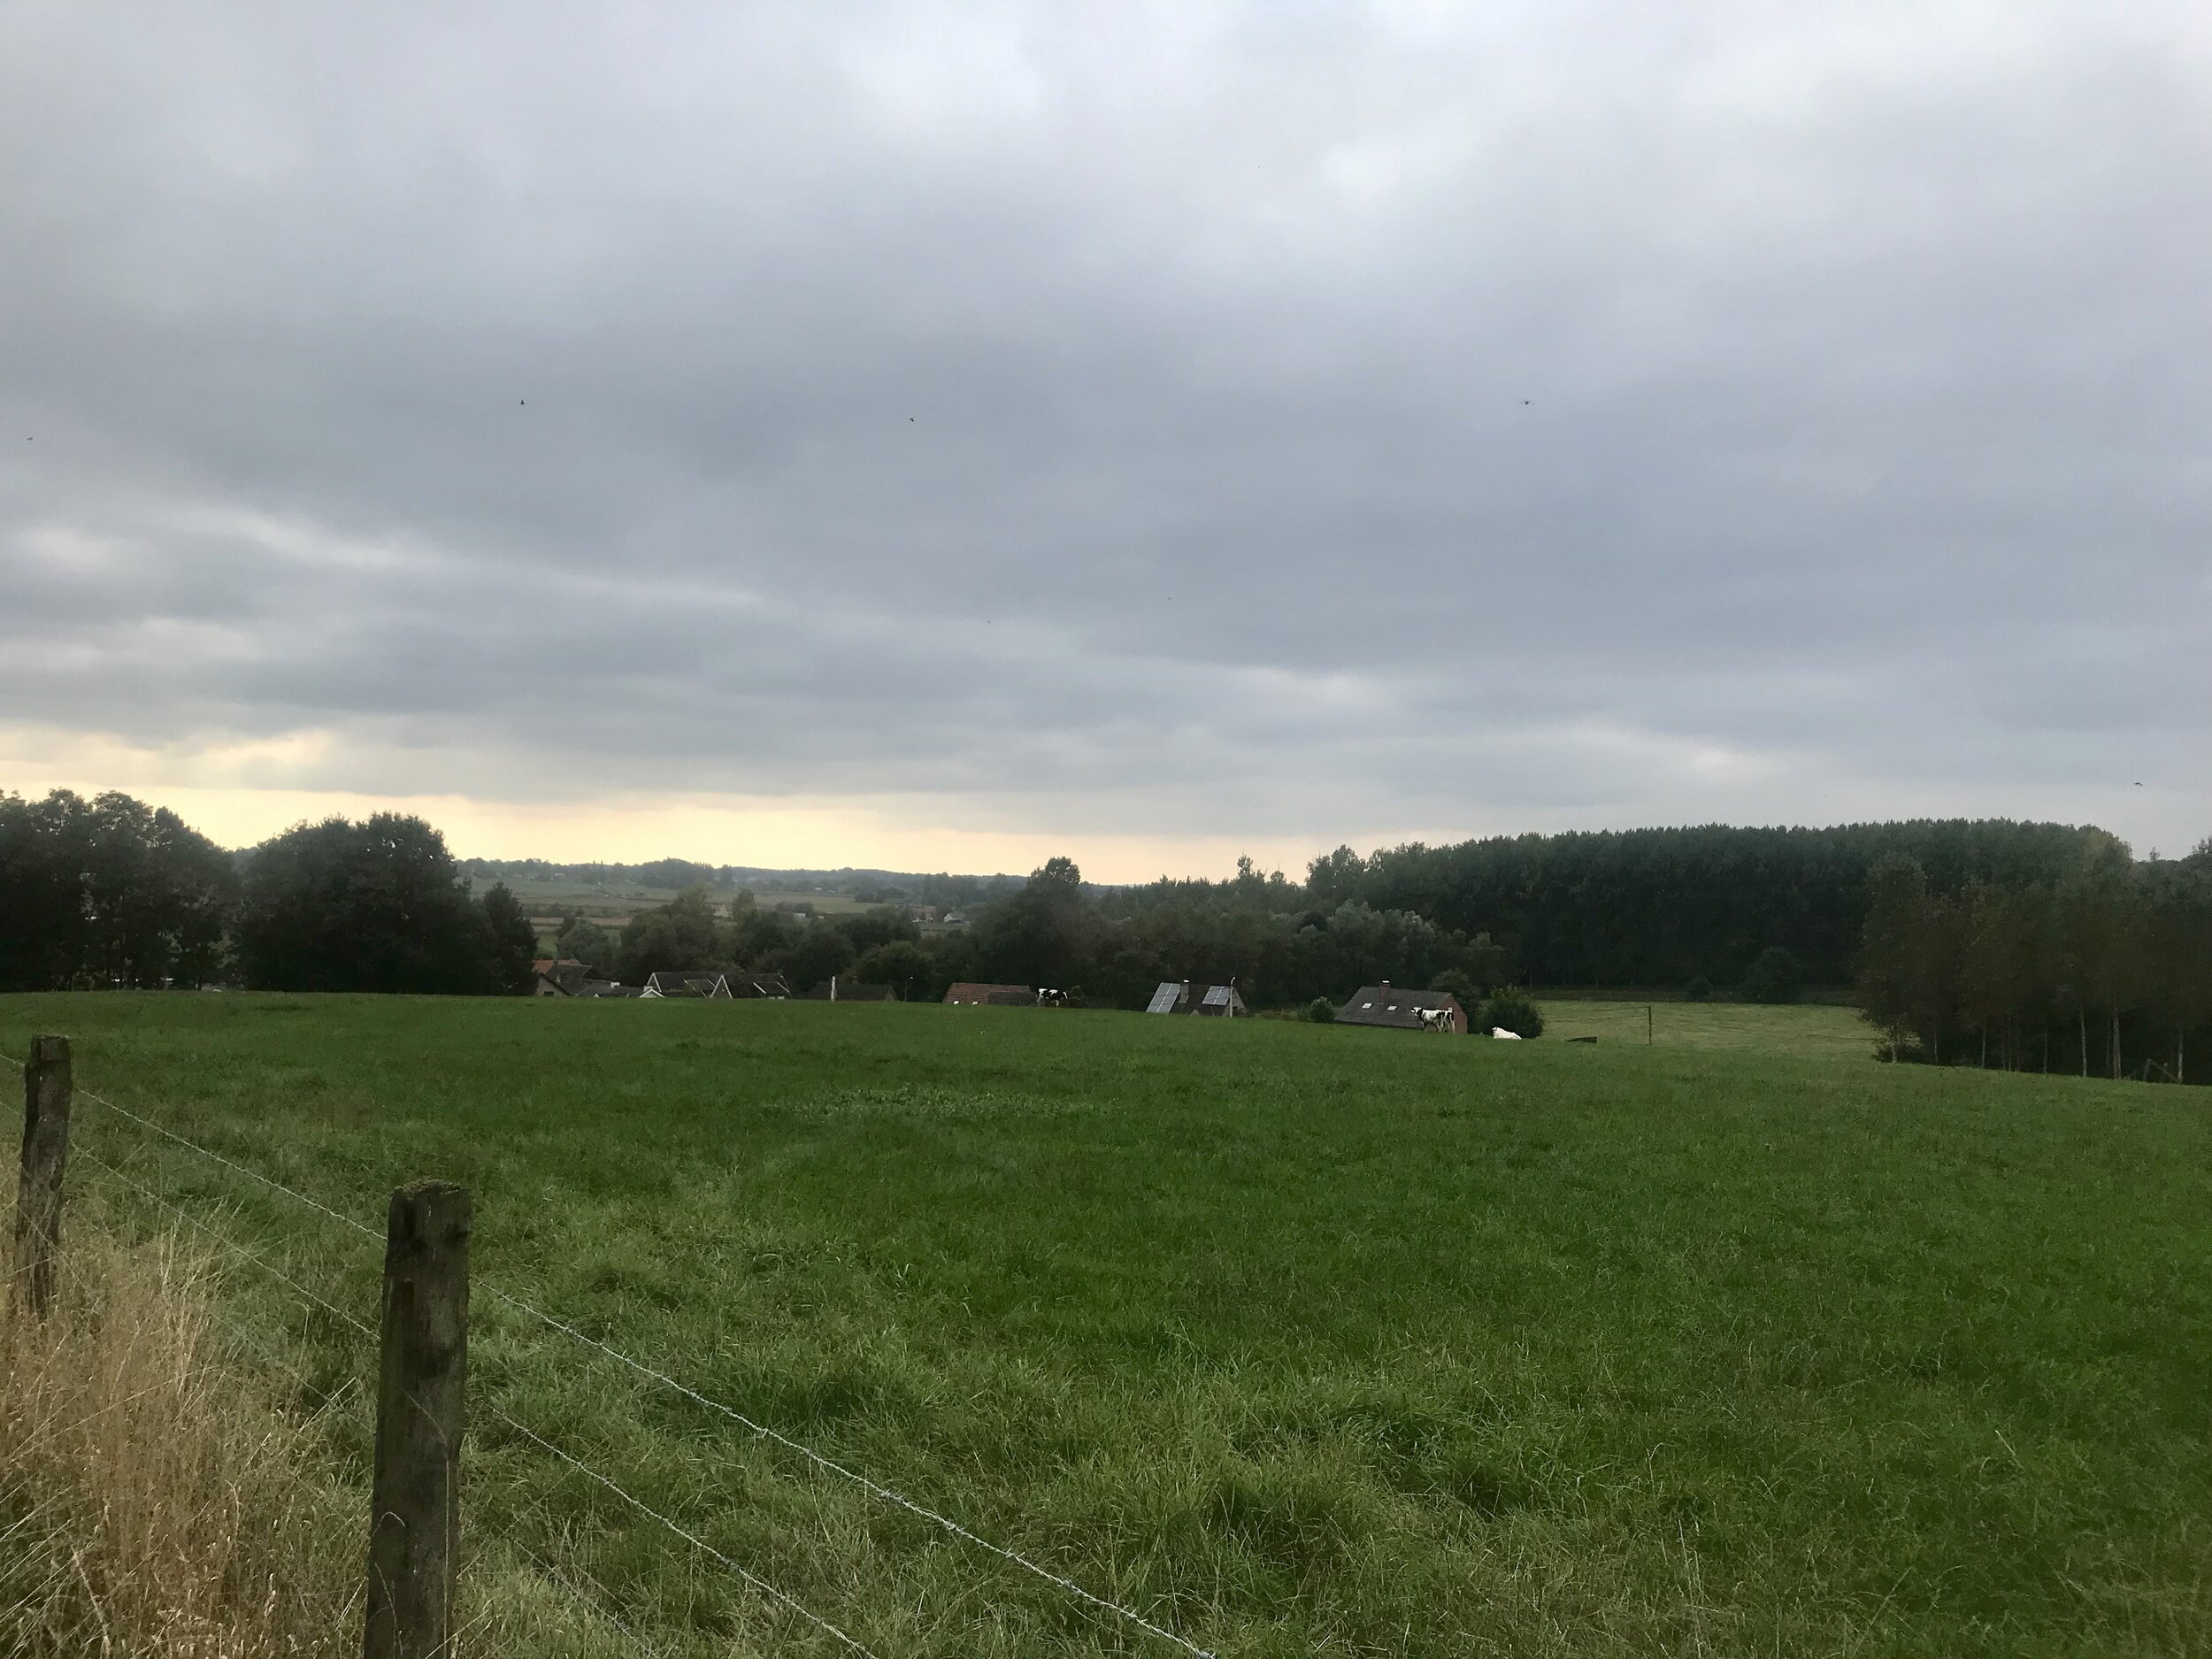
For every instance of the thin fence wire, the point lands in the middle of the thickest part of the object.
(749, 1577)
(224, 1238)
(684, 1533)
(264, 1357)
(342, 1221)
(830, 1465)
(873, 1488)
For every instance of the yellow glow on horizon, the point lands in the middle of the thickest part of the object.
(764, 833)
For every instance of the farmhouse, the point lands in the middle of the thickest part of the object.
(1385, 1004)
(966, 996)
(1180, 996)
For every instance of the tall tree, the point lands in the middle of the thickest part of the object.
(2094, 906)
(510, 942)
(107, 892)
(1891, 945)
(681, 936)
(373, 906)
(587, 942)
(1042, 935)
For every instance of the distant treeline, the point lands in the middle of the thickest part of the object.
(2031, 937)
(869, 886)
(2107, 970)
(1665, 906)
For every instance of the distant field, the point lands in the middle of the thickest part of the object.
(611, 906)
(1808, 1030)
(1305, 1339)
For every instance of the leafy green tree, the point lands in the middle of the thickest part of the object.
(1699, 990)
(2177, 956)
(1997, 967)
(1511, 1009)
(1891, 945)
(1043, 934)
(681, 936)
(1321, 1011)
(107, 892)
(1489, 964)
(1774, 978)
(821, 951)
(1456, 982)
(373, 906)
(2095, 915)
(880, 927)
(587, 942)
(900, 964)
(510, 942)
(1334, 878)
(757, 937)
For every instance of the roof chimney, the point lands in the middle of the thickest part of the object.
(1386, 985)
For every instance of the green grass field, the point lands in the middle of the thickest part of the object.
(1303, 1340)
(1808, 1030)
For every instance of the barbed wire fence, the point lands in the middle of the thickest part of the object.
(599, 1605)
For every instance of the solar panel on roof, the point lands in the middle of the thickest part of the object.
(1164, 1000)
(1217, 996)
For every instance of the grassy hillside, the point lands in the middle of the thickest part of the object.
(1303, 1339)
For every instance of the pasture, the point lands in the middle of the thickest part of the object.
(1807, 1030)
(1301, 1340)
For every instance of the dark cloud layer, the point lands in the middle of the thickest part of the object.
(1289, 421)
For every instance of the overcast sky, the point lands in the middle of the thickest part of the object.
(939, 436)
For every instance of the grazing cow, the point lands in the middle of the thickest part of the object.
(1436, 1019)
(1500, 1030)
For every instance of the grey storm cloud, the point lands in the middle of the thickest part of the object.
(1225, 418)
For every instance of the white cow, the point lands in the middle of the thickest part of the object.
(1435, 1018)
(1500, 1030)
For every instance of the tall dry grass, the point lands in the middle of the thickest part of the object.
(155, 1499)
(165, 1494)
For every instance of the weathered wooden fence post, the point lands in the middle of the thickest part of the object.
(415, 1520)
(46, 1089)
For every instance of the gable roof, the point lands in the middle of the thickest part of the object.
(692, 984)
(562, 978)
(1180, 996)
(1396, 1006)
(751, 985)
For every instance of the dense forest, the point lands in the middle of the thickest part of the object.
(1661, 907)
(2107, 970)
